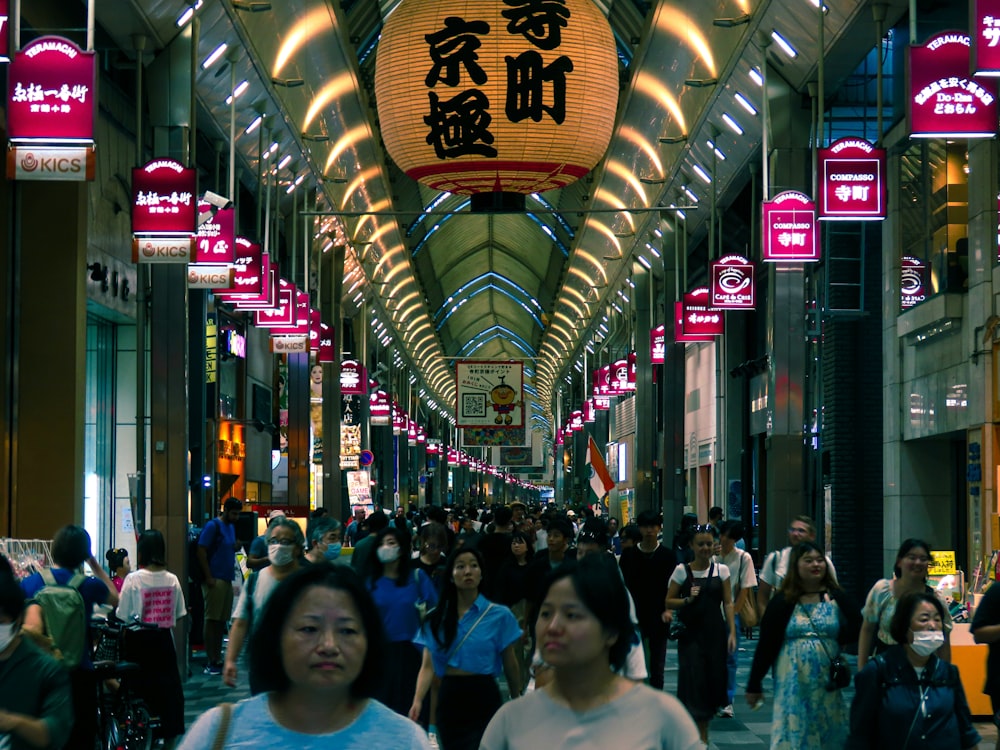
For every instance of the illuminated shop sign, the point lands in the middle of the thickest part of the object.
(353, 378)
(234, 343)
(489, 394)
(986, 37)
(379, 408)
(789, 225)
(161, 250)
(944, 100)
(589, 413)
(248, 277)
(852, 181)
(289, 344)
(268, 296)
(657, 345)
(51, 163)
(325, 343)
(51, 88)
(4, 30)
(732, 283)
(163, 198)
(216, 237)
(210, 276)
(601, 403)
(575, 423)
(912, 282)
(600, 381)
(282, 314)
(700, 319)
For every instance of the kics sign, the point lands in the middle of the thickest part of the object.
(289, 344)
(51, 88)
(51, 163)
(161, 250)
(210, 276)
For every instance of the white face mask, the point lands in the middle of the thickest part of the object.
(7, 633)
(387, 554)
(926, 642)
(279, 554)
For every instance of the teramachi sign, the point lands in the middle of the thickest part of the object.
(852, 181)
(732, 283)
(51, 90)
(163, 199)
(789, 225)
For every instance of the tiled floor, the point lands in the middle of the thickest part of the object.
(748, 729)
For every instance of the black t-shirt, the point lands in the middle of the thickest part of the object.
(647, 576)
(988, 613)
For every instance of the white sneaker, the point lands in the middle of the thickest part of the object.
(432, 739)
(727, 712)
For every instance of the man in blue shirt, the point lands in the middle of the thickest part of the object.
(217, 557)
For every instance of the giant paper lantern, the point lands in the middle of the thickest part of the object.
(496, 96)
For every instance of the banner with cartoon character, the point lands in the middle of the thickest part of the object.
(490, 394)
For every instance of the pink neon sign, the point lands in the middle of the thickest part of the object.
(163, 200)
(852, 181)
(789, 225)
(657, 345)
(732, 283)
(944, 101)
(51, 86)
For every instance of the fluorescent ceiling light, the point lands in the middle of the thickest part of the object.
(285, 162)
(689, 194)
(784, 44)
(237, 91)
(718, 151)
(756, 77)
(188, 13)
(254, 125)
(745, 103)
(643, 262)
(701, 173)
(216, 54)
(731, 122)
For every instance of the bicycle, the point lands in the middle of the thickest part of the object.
(123, 719)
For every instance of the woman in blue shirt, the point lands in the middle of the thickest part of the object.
(399, 589)
(467, 640)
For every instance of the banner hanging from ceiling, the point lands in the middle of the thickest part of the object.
(912, 281)
(489, 394)
(851, 181)
(789, 226)
(986, 37)
(732, 283)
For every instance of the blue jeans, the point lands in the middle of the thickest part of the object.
(731, 663)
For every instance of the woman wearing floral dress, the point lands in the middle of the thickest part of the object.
(802, 630)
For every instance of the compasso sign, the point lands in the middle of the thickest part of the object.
(51, 87)
(944, 101)
(789, 226)
(513, 96)
(852, 181)
(163, 198)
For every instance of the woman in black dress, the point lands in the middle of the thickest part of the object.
(700, 591)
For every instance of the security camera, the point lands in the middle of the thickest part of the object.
(217, 200)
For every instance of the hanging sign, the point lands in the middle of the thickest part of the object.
(353, 378)
(658, 345)
(268, 296)
(163, 198)
(379, 408)
(51, 92)
(325, 343)
(986, 37)
(601, 403)
(300, 318)
(161, 249)
(912, 282)
(944, 101)
(4, 30)
(489, 394)
(601, 380)
(248, 276)
(852, 181)
(575, 423)
(216, 241)
(700, 319)
(289, 344)
(51, 163)
(732, 283)
(210, 276)
(789, 225)
(283, 314)
(589, 413)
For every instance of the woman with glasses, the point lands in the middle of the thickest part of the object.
(910, 577)
(700, 591)
(284, 541)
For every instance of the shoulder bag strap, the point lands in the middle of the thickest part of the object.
(474, 626)
(220, 736)
(809, 615)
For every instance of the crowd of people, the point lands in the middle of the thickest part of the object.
(406, 642)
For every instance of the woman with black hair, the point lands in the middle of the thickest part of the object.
(907, 691)
(585, 632)
(318, 653)
(400, 591)
(909, 576)
(466, 640)
(35, 707)
(118, 566)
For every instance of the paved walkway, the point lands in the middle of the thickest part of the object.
(748, 729)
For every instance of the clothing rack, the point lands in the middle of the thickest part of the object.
(26, 556)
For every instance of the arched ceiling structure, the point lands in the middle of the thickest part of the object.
(529, 285)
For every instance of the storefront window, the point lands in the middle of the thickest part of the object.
(98, 505)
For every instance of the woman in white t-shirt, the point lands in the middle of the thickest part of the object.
(701, 592)
(152, 594)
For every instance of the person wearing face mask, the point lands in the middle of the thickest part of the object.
(324, 542)
(284, 552)
(907, 698)
(402, 592)
(36, 710)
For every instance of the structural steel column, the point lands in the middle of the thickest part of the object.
(645, 414)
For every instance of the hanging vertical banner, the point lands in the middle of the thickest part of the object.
(489, 394)
(602, 376)
(986, 37)
(658, 345)
(589, 413)
(325, 343)
(575, 423)
(353, 378)
(912, 282)
(51, 92)
(700, 318)
(379, 409)
(944, 101)
(163, 199)
(249, 277)
(216, 236)
(4, 30)
(789, 226)
(851, 181)
(732, 283)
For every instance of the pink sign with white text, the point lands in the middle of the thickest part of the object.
(851, 181)
(216, 238)
(732, 283)
(789, 226)
(51, 92)
(163, 200)
(944, 100)
(986, 37)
